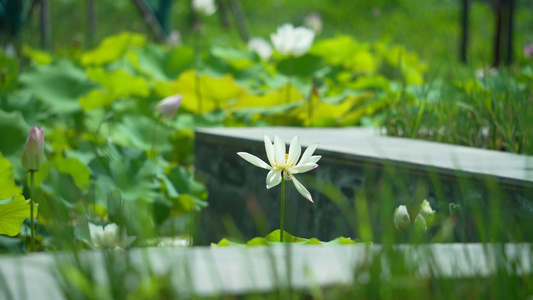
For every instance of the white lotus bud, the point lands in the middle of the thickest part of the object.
(401, 218)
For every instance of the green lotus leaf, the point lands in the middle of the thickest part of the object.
(274, 236)
(37, 56)
(112, 48)
(214, 92)
(237, 58)
(58, 85)
(132, 177)
(10, 72)
(7, 181)
(225, 242)
(313, 241)
(159, 64)
(15, 130)
(79, 172)
(12, 213)
(119, 83)
(138, 131)
(303, 66)
(257, 241)
(96, 99)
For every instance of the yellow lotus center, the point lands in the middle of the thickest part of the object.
(286, 159)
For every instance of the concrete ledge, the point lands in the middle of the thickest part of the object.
(365, 145)
(204, 272)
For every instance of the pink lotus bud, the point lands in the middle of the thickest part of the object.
(168, 107)
(33, 155)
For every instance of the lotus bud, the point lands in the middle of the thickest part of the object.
(420, 224)
(168, 107)
(427, 212)
(314, 22)
(401, 218)
(33, 155)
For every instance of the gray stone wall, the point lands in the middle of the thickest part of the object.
(240, 204)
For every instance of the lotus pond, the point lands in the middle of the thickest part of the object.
(97, 160)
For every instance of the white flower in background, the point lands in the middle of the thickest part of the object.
(174, 38)
(427, 212)
(204, 7)
(10, 51)
(261, 47)
(108, 237)
(285, 165)
(485, 72)
(314, 22)
(401, 218)
(292, 41)
(168, 107)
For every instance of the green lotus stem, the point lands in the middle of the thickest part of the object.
(197, 62)
(198, 92)
(153, 149)
(289, 79)
(32, 203)
(282, 219)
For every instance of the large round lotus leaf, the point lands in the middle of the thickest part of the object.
(159, 64)
(119, 83)
(138, 131)
(112, 48)
(13, 212)
(58, 85)
(301, 66)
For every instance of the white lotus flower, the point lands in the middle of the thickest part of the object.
(285, 165)
(108, 237)
(292, 41)
(261, 47)
(401, 218)
(204, 7)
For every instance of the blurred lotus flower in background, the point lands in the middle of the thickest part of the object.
(261, 47)
(33, 155)
(174, 38)
(285, 165)
(313, 21)
(168, 107)
(401, 218)
(528, 50)
(487, 71)
(292, 41)
(204, 7)
(10, 51)
(427, 212)
(109, 237)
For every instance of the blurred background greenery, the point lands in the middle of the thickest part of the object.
(430, 28)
